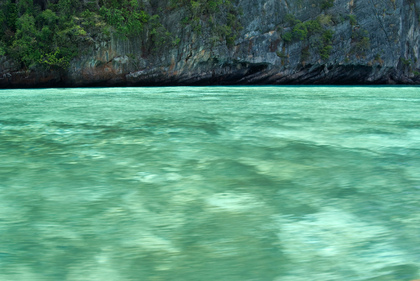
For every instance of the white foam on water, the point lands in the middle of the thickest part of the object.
(232, 202)
(338, 243)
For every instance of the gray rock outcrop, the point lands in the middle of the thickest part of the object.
(279, 42)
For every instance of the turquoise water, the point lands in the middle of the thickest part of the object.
(210, 183)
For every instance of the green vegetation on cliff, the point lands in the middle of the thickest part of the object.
(96, 42)
(316, 34)
(50, 33)
(220, 15)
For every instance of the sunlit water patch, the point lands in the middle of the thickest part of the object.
(210, 183)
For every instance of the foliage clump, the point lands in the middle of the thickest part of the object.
(353, 20)
(326, 46)
(315, 34)
(326, 4)
(127, 17)
(360, 41)
(220, 16)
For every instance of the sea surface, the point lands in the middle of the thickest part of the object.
(210, 183)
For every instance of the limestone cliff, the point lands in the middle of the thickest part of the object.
(272, 42)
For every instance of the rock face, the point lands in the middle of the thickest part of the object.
(280, 42)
